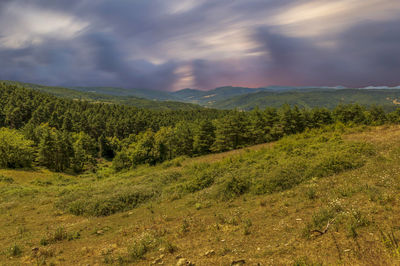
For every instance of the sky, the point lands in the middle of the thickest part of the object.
(200, 44)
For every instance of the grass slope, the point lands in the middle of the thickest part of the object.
(261, 204)
(105, 98)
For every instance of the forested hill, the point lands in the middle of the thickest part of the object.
(243, 98)
(141, 93)
(21, 107)
(107, 95)
(228, 97)
(70, 134)
(389, 99)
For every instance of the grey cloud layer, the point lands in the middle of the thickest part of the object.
(144, 43)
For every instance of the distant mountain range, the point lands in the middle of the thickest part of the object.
(108, 95)
(231, 97)
(209, 98)
(248, 98)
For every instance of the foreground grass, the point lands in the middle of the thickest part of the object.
(322, 197)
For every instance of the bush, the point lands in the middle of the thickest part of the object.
(14, 251)
(6, 179)
(311, 193)
(298, 158)
(234, 186)
(141, 246)
(203, 176)
(122, 161)
(59, 234)
(15, 150)
(287, 176)
(104, 205)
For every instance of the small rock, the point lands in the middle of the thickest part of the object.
(183, 261)
(258, 249)
(238, 262)
(209, 253)
(100, 232)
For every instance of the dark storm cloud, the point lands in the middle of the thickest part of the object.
(365, 54)
(90, 60)
(93, 58)
(145, 43)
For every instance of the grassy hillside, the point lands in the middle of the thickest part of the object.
(309, 98)
(107, 98)
(327, 196)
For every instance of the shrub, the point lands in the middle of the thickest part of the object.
(201, 181)
(122, 161)
(287, 176)
(319, 220)
(6, 179)
(311, 193)
(170, 247)
(141, 246)
(171, 177)
(59, 234)
(14, 251)
(105, 205)
(246, 227)
(177, 162)
(203, 176)
(234, 186)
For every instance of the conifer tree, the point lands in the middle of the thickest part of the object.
(204, 138)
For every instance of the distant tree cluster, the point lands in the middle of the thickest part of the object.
(63, 134)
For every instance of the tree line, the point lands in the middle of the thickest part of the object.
(63, 134)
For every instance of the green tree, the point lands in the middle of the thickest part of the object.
(183, 139)
(163, 146)
(15, 150)
(84, 152)
(204, 138)
(350, 113)
(291, 120)
(55, 148)
(230, 132)
(377, 115)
